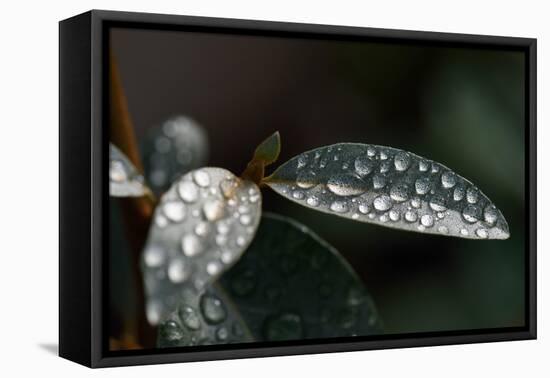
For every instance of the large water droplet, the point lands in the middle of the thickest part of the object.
(399, 192)
(382, 203)
(306, 179)
(437, 203)
(213, 209)
(346, 185)
(287, 326)
(339, 207)
(402, 161)
(471, 213)
(364, 165)
(188, 191)
(191, 245)
(422, 185)
(448, 179)
(427, 220)
(178, 271)
(189, 318)
(490, 214)
(202, 178)
(174, 210)
(212, 309)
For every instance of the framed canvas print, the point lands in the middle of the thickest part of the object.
(233, 188)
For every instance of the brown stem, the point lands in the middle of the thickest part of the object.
(137, 211)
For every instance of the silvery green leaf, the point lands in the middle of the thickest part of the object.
(389, 187)
(202, 319)
(290, 284)
(178, 146)
(124, 179)
(200, 228)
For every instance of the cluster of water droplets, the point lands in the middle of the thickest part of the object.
(201, 227)
(391, 187)
(124, 180)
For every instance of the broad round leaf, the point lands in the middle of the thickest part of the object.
(389, 187)
(124, 179)
(178, 146)
(201, 226)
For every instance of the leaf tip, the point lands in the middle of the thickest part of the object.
(268, 151)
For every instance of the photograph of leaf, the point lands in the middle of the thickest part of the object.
(262, 192)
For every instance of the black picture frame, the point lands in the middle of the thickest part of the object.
(83, 193)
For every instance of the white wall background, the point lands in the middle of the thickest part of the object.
(29, 185)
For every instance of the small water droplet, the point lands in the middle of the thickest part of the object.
(161, 221)
(435, 168)
(372, 215)
(323, 163)
(297, 194)
(385, 167)
(416, 203)
(423, 166)
(437, 203)
(153, 311)
(422, 185)
(154, 256)
(383, 155)
(378, 182)
(189, 318)
(174, 210)
(213, 209)
(458, 193)
(171, 331)
(371, 151)
(427, 220)
(345, 166)
(443, 229)
(241, 241)
(221, 239)
(382, 203)
(364, 208)
(399, 192)
(191, 245)
(411, 216)
(471, 213)
(245, 219)
(448, 179)
(202, 229)
(222, 334)
(402, 161)
(346, 185)
(441, 215)
(364, 165)
(490, 214)
(287, 326)
(394, 215)
(188, 191)
(482, 233)
(471, 195)
(212, 309)
(313, 201)
(384, 218)
(228, 187)
(339, 207)
(464, 232)
(355, 216)
(178, 271)
(201, 178)
(213, 268)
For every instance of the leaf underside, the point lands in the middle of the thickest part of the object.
(124, 179)
(388, 187)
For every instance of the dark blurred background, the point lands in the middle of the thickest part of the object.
(462, 107)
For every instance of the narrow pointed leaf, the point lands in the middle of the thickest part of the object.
(200, 228)
(124, 179)
(389, 187)
(268, 151)
(174, 148)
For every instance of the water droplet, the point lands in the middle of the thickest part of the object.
(171, 331)
(213, 268)
(385, 167)
(427, 220)
(221, 239)
(117, 171)
(174, 210)
(222, 334)
(154, 256)
(189, 318)
(437, 203)
(339, 207)
(378, 182)
(201, 178)
(411, 216)
(364, 165)
(297, 194)
(255, 198)
(423, 166)
(213, 309)
(323, 163)
(443, 229)
(355, 216)
(202, 229)
(302, 161)
(223, 227)
(287, 326)
(188, 191)
(153, 312)
(448, 179)
(458, 193)
(482, 233)
(399, 192)
(371, 151)
(336, 157)
(402, 161)
(435, 168)
(372, 215)
(313, 201)
(471, 213)
(191, 245)
(441, 215)
(306, 179)
(213, 209)
(415, 202)
(245, 219)
(422, 185)
(346, 185)
(178, 271)
(364, 208)
(161, 221)
(227, 256)
(394, 215)
(384, 218)
(228, 187)
(345, 166)
(241, 241)
(464, 232)
(383, 155)
(471, 195)
(382, 203)
(490, 214)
